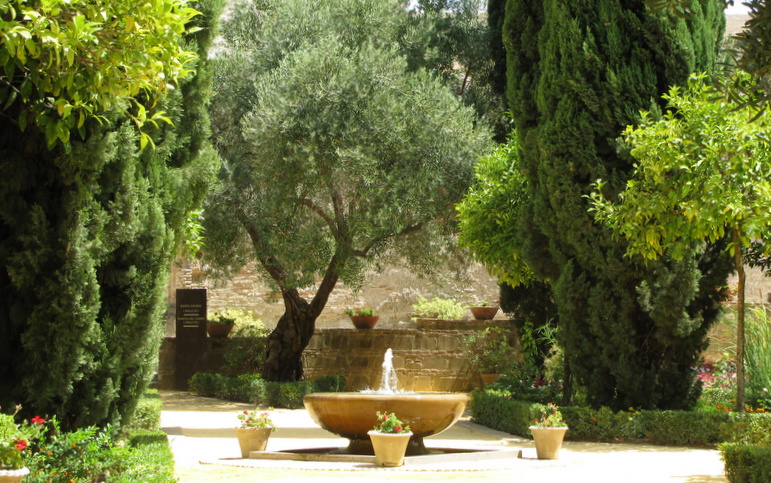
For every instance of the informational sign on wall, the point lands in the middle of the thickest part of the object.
(191, 334)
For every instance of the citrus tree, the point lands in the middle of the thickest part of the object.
(703, 172)
(64, 61)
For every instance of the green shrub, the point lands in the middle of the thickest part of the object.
(439, 308)
(150, 461)
(688, 428)
(497, 409)
(147, 415)
(524, 382)
(246, 348)
(90, 454)
(205, 384)
(746, 463)
(86, 454)
(252, 388)
(329, 384)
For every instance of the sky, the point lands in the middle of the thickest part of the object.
(737, 9)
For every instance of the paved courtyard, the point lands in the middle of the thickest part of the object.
(205, 449)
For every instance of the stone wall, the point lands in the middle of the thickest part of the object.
(391, 292)
(424, 360)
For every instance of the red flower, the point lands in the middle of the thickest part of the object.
(38, 420)
(398, 428)
(385, 417)
(246, 412)
(20, 444)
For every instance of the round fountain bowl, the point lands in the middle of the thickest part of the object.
(352, 414)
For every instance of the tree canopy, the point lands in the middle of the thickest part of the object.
(88, 230)
(64, 61)
(338, 155)
(702, 173)
(578, 73)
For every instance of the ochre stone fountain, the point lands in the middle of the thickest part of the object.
(352, 414)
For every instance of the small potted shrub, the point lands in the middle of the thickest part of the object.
(14, 438)
(548, 432)
(220, 324)
(438, 308)
(363, 318)
(390, 438)
(254, 431)
(484, 310)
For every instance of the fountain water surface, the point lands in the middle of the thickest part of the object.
(352, 414)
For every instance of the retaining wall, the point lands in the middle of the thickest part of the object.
(431, 359)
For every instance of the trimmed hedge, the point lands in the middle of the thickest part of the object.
(252, 388)
(497, 410)
(744, 440)
(746, 463)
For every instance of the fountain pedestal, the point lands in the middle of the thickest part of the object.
(352, 414)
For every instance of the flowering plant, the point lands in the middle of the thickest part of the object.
(551, 417)
(14, 438)
(389, 423)
(256, 419)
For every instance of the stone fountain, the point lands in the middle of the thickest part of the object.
(352, 414)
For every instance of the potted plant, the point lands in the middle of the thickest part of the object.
(548, 432)
(390, 438)
(484, 310)
(14, 438)
(363, 318)
(490, 353)
(220, 324)
(438, 308)
(254, 431)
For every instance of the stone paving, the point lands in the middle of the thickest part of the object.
(206, 450)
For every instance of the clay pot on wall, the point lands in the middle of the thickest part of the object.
(364, 321)
(218, 330)
(483, 312)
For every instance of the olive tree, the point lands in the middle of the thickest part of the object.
(336, 155)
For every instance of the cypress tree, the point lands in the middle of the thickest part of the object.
(577, 73)
(86, 239)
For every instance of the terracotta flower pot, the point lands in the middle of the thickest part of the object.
(252, 439)
(364, 321)
(483, 313)
(13, 476)
(548, 441)
(389, 447)
(219, 330)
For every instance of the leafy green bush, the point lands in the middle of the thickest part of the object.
(329, 384)
(688, 428)
(252, 388)
(439, 308)
(246, 349)
(758, 357)
(86, 454)
(147, 415)
(206, 384)
(746, 463)
(497, 409)
(150, 461)
(523, 381)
